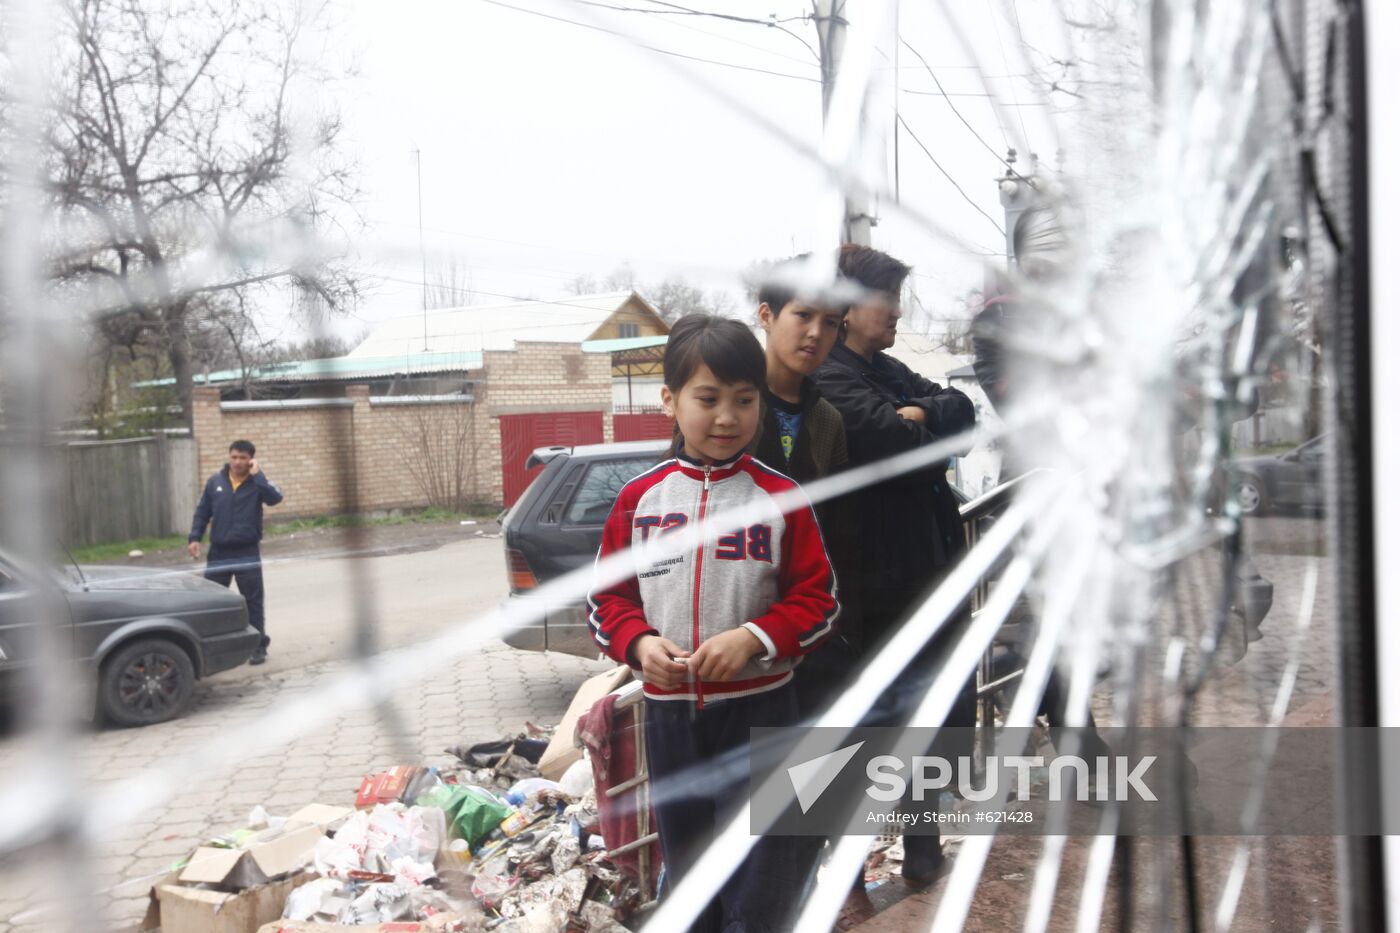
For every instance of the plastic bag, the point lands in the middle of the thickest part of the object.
(522, 792)
(578, 780)
(472, 813)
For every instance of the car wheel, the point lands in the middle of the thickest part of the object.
(146, 682)
(1249, 493)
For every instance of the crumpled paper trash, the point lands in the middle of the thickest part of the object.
(564, 890)
(378, 903)
(391, 839)
(598, 918)
(565, 855)
(320, 900)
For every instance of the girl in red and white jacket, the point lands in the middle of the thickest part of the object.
(715, 630)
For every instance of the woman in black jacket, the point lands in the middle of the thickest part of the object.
(907, 529)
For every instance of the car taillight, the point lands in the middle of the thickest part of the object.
(521, 576)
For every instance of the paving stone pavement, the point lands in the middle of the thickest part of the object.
(487, 694)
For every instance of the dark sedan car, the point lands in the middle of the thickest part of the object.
(143, 636)
(556, 526)
(1287, 480)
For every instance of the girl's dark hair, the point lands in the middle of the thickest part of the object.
(726, 346)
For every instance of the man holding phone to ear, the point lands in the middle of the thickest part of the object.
(233, 499)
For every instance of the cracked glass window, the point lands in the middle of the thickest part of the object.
(1058, 509)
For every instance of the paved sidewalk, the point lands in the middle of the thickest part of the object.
(485, 695)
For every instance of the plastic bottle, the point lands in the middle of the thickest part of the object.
(514, 823)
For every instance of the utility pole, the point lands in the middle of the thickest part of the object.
(1019, 193)
(831, 23)
(422, 253)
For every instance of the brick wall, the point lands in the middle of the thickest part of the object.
(358, 453)
(541, 377)
(302, 447)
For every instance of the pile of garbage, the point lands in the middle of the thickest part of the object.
(486, 844)
(493, 842)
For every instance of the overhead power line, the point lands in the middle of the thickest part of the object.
(1007, 65)
(914, 136)
(472, 290)
(954, 107)
(1023, 103)
(673, 9)
(651, 48)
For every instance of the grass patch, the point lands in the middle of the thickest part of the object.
(429, 516)
(117, 550)
(99, 553)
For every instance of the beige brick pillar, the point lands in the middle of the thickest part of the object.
(206, 421)
(356, 489)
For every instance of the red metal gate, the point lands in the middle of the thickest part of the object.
(521, 434)
(646, 426)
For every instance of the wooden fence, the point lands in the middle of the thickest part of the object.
(119, 490)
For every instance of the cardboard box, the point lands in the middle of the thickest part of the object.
(561, 751)
(241, 889)
(183, 909)
(268, 855)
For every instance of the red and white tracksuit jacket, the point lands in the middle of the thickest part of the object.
(769, 573)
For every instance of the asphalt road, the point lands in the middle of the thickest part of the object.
(315, 600)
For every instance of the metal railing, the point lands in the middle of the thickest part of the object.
(974, 513)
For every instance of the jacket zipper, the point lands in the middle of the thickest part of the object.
(695, 601)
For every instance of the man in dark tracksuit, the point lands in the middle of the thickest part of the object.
(234, 498)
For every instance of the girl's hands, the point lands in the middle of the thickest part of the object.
(722, 656)
(654, 656)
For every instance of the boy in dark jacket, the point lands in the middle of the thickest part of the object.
(233, 499)
(800, 434)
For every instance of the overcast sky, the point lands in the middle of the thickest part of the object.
(551, 150)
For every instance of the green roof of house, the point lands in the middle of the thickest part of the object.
(338, 368)
(618, 344)
(349, 367)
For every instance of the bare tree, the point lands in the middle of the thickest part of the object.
(324, 347)
(450, 285)
(674, 297)
(584, 285)
(437, 447)
(184, 179)
(623, 278)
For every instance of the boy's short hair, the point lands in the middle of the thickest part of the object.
(779, 287)
(729, 348)
(244, 446)
(871, 268)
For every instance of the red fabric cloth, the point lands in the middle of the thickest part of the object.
(611, 736)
